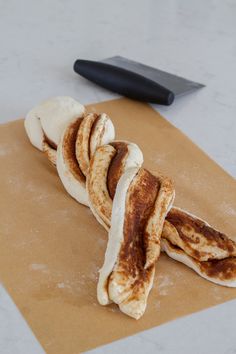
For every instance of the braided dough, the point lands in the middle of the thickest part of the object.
(133, 205)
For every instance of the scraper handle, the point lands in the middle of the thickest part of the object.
(124, 82)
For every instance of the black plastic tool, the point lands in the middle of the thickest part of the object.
(124, 82)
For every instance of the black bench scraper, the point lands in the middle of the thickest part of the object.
(135, 80)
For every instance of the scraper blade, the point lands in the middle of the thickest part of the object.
(178, 85)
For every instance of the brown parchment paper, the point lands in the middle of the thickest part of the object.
(51, 247)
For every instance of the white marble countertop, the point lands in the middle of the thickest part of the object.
(40, 41)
